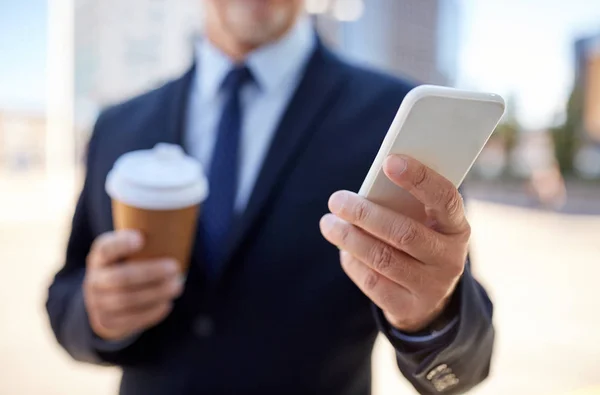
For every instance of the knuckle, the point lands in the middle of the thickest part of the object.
(467, 230)
(408, 234)
(345, 231)
(382, 257)
(361, 210)
(370, 281)
(421, 176)
(451, 201)
(397, 227)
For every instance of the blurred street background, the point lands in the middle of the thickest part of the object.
(534, 193)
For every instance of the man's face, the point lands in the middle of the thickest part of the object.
(254, 22)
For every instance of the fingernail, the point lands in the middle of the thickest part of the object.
(328, 222)
(396, 165)
(337, 201)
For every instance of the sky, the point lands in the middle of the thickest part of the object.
(520, 48)
(525, 48)
(22, 54)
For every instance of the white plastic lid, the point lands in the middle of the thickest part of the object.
(162, 178)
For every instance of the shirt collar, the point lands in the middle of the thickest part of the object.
(270, 65)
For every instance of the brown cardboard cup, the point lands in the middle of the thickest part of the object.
(167, 233)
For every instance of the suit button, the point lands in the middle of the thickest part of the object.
(442, 377)
(204, 326)
(437, 371)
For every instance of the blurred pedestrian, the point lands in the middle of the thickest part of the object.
(545, 184)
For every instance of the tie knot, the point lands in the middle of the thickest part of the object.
(236, 78)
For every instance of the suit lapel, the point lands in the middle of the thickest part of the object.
(176, 109)
(309, 104)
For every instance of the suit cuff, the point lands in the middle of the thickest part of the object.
(458, 360)
(103, 345)
(417, 347)
(76, 333)
(434, 335)
(81, 341)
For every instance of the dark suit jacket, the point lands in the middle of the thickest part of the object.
(281, 317)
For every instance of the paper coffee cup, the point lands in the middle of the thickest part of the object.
(158, 192)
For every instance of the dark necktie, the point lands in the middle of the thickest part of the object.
(218, 209)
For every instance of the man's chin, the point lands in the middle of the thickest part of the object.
(258, 31)
(256, 35)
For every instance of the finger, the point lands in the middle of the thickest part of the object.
(380, 257)
(133, 275)
(128, 302)
(125, 325)
(442, 200)
(397, 230)
(386, 294)
(112, 247)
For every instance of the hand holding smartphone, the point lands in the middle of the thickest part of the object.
(443, 128)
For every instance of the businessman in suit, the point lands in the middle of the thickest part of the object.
(286, 130)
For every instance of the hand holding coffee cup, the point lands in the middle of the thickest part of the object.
(123, 299)
(134, 273)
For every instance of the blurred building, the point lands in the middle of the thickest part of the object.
(414, 38)
(122, 48)
(22, 140)
(587, 77)
(587, 52)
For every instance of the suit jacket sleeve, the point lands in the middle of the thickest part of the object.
(459, 359)
(65, 304)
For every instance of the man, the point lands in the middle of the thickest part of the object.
(274, 312)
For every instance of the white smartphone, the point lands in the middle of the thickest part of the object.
(443, 128)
